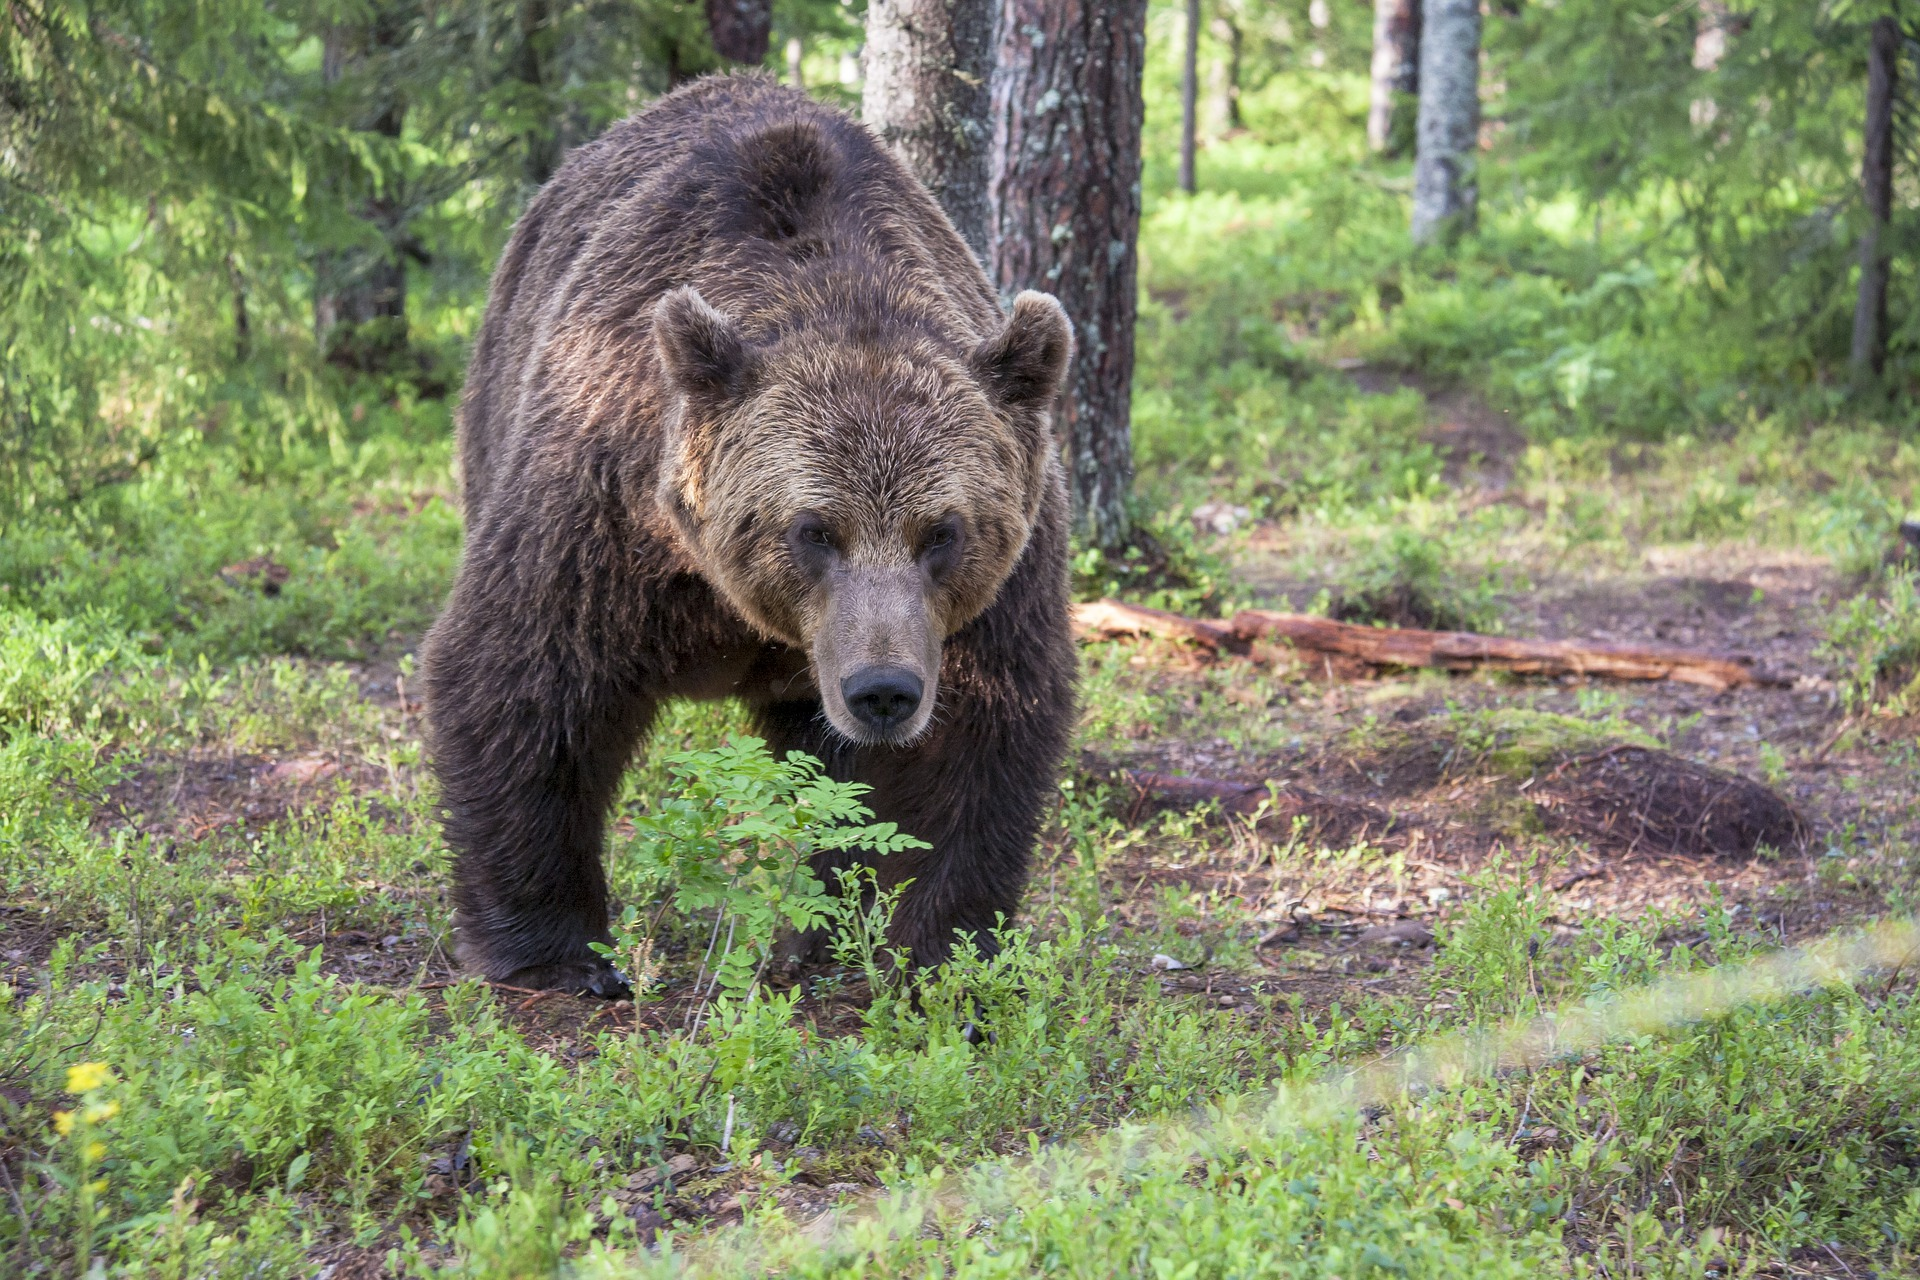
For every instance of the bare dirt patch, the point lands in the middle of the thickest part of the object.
(192, 796)
(1480, 444)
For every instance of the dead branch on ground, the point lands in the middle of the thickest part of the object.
(1251, 630)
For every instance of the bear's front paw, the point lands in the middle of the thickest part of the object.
(591, 977)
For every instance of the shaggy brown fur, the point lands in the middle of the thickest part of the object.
(745, 419)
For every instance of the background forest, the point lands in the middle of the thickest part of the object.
(244, 248)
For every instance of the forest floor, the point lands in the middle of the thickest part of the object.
(1705, 824)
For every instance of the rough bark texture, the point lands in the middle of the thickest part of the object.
(927, 68)
(1876, 179)
(360, 295)
(740, 29)
(1190, 96)
(1396, 75)
(1067, 113)
(1445, 186)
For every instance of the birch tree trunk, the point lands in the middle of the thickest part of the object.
(1189, 95)
(1226, 28)
(1445, 184)
(1876, 178)
(1067, 113)
(1396, 75)
(927, 95)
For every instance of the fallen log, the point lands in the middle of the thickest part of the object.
(1407, 647)
(1112, 620)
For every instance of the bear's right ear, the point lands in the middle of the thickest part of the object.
(703, 352)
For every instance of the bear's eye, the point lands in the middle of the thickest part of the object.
(940, 548)
(811, 542)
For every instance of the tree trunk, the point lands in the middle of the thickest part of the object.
(360, 293)
(1396, 75)
(1228, 31)
(1711, 29)
(542, 142)
(1445, 184)
(242, 324)
(1067, 113)
(1189, 95)
(741, 29)
(1876, 178)
(795, 54)
(927, 64)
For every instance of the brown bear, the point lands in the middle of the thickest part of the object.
(745, 418)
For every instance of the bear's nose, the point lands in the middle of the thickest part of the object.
(882, 697)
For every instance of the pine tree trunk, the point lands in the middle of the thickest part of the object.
(927, 69)
(1876, 178)
(1396, 75)
(1445, 185)
(360, 294)
(741, 29)
(1189, 95)
(1067, 113)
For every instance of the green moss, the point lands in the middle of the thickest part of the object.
(1519, 742)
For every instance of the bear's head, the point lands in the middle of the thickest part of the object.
(860, 500)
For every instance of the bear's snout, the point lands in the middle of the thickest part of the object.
(883, 698)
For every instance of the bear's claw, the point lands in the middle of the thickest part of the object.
(595, 977)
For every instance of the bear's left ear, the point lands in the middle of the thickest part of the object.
(1025, 364)
(703, 352)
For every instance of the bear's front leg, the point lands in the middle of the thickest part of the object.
(529, 746)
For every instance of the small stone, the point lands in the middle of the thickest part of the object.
(645, 1179)
(1401, 933)
(1220, 517)
(1166, 962)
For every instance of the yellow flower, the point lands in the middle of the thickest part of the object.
(85, 1077)
(63, 1123)
(99, 1111)
(96, 1151)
